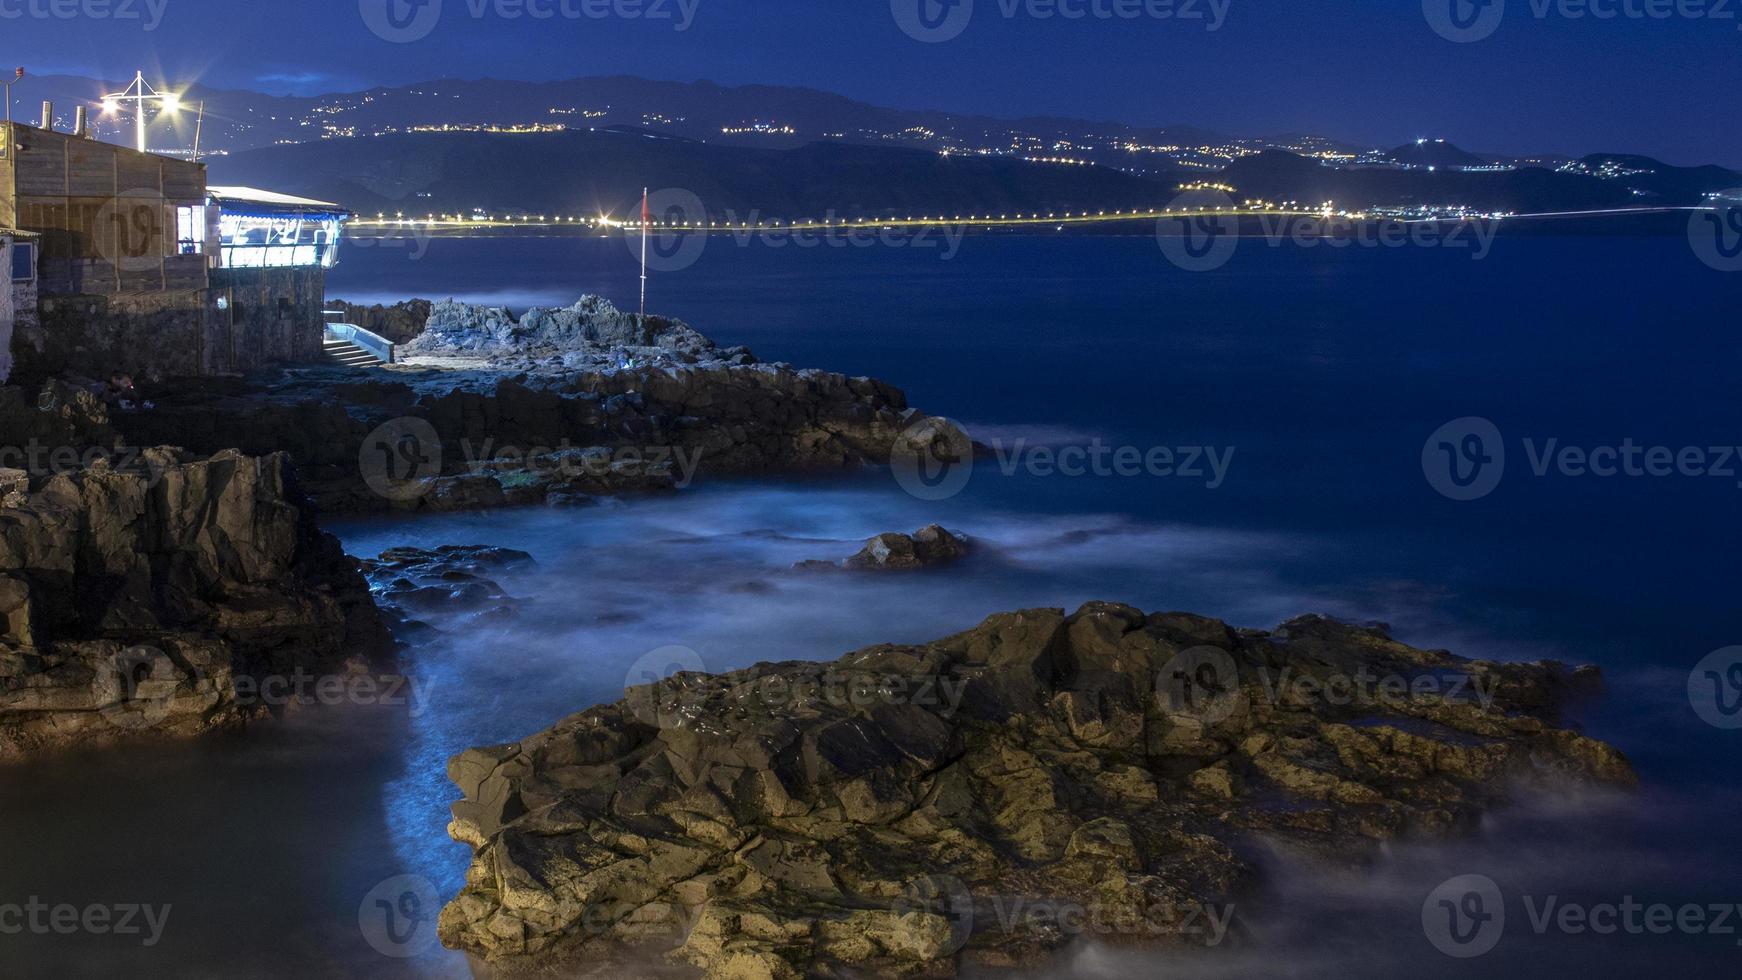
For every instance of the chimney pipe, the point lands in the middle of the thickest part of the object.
(81, 122)
(48, 116)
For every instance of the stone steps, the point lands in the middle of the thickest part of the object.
(349, 354)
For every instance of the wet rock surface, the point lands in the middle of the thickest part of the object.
(133, 599)
(409, 582)
(867, 817)
(930, 547)
(591, 334)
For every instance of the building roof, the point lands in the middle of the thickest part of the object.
(17, 233)
(246, 200)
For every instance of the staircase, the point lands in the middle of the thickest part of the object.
(348, 354)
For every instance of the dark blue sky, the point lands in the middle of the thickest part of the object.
(1371, 71)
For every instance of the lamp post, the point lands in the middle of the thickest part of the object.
(139, 93)
(19, 77)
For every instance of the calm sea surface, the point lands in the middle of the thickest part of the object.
(1315, 376)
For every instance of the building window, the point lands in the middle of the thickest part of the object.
(190, 231)
(23, 262)
(279, 241)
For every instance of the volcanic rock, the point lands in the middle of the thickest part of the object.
(871, 816)
(133, 598)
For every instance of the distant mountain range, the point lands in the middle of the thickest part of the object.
(588, 145)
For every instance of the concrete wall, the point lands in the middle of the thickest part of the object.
(149, 335)
(271, 316)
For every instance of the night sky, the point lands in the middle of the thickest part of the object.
(1368, 71)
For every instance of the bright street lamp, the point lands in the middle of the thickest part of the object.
(139, 93)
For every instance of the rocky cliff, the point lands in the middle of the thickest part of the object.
(873, 815)
(571, 406)
(136, 591)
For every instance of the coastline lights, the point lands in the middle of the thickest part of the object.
(139, 93)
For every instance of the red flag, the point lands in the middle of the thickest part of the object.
(646, 211)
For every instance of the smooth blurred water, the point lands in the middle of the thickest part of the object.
(1322, 371)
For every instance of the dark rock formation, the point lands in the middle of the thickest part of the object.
(486, 438)
(132, 600)
(929, 547)
(400, 323)
(807, 819)
(452, 578)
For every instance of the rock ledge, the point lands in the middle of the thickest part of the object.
(863, 817)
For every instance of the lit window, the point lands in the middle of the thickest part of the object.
(190, 224)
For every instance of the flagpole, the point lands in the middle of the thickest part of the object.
(644, 229)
